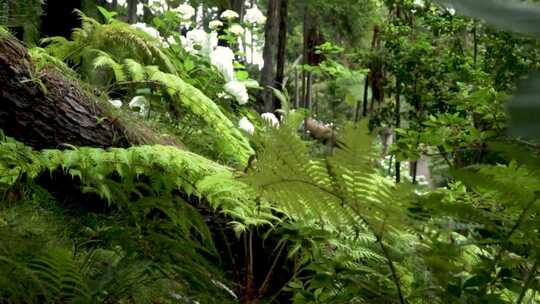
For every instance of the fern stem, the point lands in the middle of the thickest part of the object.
(507, 238)
(392, 267)
(530, 278)
(266, 281)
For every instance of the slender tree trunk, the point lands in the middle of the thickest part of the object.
(364, 103)
(239, 7)
(312, 39)
(296, 89)
(475, 38)
(132, 11)
(398, 124)
(376, 73)
(282, 42)
(269, 54)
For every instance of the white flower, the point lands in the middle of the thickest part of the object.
(140, 9)
(148, 29)
(222, 58)
(246, 125)
(255, 16)
(223, 95)
(419, 3)
(271, 119)
(185, 10)
(158, 6)
(236, 29)
(215, 24)
(451, 10)
(116, 103)
(122, 2)
(139, 103)
(187, 45)
(238, 90)
(171, 40)
(228, 14)
(197, 37)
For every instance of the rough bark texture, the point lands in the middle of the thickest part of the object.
(46, 110)
(376, 74)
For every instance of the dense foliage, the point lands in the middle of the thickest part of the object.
(400, 162)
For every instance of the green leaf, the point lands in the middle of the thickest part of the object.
(242, 75)
(108, 15)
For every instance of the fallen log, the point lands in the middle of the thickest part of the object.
(46, 109)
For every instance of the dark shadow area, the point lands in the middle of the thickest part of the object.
(18, 32)
(59, 18)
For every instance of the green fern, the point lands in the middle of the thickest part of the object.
(336, 191)
(16, 160)
(103, 60)
(184, 97)
(117, 38)
(59, 276)
(42, 59)
(130, 53)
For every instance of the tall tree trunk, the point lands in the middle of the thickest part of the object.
(47, 110)
(312, 39)
(269, 54)
(282, 42)
(239, 7)
(376, 71)
(132, 11)
(398, 125)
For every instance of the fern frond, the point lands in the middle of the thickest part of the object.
(61, 277)
(228, 139)
(42, 59)
(105, 61)
(135, 70)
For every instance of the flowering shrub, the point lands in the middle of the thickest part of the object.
(198, 42)
(215, 24)
(238, 90)
(246, 125)
(254, 16)
(222, 58)
(236, 29)
(229, 15)
(185, 10)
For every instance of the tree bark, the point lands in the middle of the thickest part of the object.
(282, 42)
(132, 11)
(269, 54)
(46, 109)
